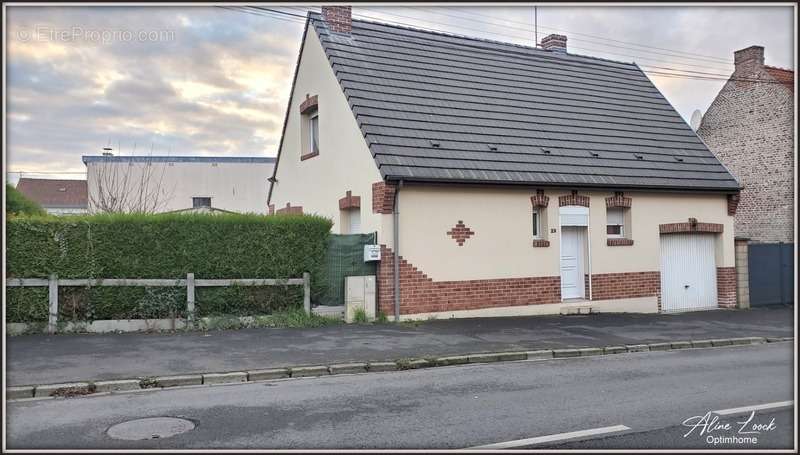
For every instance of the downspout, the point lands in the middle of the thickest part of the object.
(589, 251)
(396, 229)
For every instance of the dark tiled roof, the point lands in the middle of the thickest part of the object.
(55, 193)
(439, 107)
(784, 76)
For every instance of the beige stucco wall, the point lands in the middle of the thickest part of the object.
(344, 162)
(501, 219)
(234, 186)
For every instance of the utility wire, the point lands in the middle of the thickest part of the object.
(628, 43)
(514, 36)
(676, 72)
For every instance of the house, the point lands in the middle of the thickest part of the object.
(750, 128)
(57, 197)
(503, 179)
(178, 183)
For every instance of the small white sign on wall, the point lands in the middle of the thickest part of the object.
(372, 253)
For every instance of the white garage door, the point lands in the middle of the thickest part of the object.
(688, 272)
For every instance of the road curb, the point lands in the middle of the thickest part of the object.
(32, 392)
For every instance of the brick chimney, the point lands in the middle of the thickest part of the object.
(338, 18)
(749, 60)
(555, 43)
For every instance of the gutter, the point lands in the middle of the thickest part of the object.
(482, 183)
(396, 232)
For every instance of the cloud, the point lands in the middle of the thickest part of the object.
(216, 82)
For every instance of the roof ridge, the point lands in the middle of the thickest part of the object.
(475, 38)
(779, 68)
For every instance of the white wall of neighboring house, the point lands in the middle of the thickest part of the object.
(65, 210)
(235, 184)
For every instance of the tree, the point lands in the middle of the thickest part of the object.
(18, 204)
(121, 186)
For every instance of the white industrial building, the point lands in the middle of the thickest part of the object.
(178, 183)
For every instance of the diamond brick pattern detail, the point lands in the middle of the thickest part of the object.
(460, 232)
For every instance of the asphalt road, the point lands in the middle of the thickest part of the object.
(650, 393)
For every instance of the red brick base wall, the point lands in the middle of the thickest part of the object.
(726, 287)
(606, 286)
(420, 294)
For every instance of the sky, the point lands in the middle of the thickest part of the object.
(203, 80)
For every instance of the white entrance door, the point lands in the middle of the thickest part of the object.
(688, 272)
(572, 286)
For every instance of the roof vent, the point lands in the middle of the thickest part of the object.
(595, 154)
(435, 143)
(492, 147)
(546, 151)
(677, 158)
(63, 190)
(638, 157)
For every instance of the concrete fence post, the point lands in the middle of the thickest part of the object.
(52, 321)
(307, 292)
(190, 298)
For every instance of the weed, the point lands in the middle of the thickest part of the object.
(148, 383)
(360, 316)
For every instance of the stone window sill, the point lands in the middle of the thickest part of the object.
(619, 242)
(308, 155)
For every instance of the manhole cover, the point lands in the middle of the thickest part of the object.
(150, 428)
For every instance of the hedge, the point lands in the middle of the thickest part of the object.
(163, 246)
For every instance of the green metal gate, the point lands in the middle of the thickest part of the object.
(346, 258)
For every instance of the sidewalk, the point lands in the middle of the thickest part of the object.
(43, 359)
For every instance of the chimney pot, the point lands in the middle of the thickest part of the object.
(338, 18)
(749, 60)
(555, 43)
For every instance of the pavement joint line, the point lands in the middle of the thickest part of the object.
(553, 438)
(404, 364)
(756, 407)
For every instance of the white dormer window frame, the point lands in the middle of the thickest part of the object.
(313, 133)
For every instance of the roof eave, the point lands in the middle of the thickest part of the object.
(586, 186)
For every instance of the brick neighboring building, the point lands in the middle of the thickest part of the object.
(749, 127)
